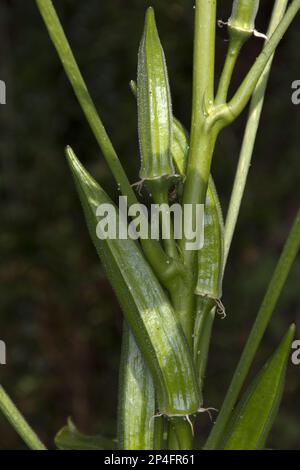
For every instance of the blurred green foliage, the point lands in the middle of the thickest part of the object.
(58, 314)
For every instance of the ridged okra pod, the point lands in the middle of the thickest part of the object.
(146, 307)
(136, 398)
(211, 256)
(154, 110)
(254, 416)
(179, 144)
(210, 275)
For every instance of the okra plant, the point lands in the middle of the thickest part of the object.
(170, 294)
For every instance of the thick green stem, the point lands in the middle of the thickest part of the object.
(279, 277)
(199, 159)
(198, 172)
(250, 137)
(18, 422)
(201, 144)
(172, 442)
(159, 427)
(181, 434)
(204, 59)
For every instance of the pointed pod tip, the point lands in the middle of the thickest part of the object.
(288, 338)
(70, 423)
(292, 330)
(150, 17)
(133, 87)
(70, 154)
(68, 150)
(150, 11)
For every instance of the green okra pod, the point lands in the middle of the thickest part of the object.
(136, 398)
(254, 416)
(180, 142)
(211, 256)
(154, 109)
(180, 146)
(209, 282)
(146, 307)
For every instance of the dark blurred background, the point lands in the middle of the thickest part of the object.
(58, 315)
